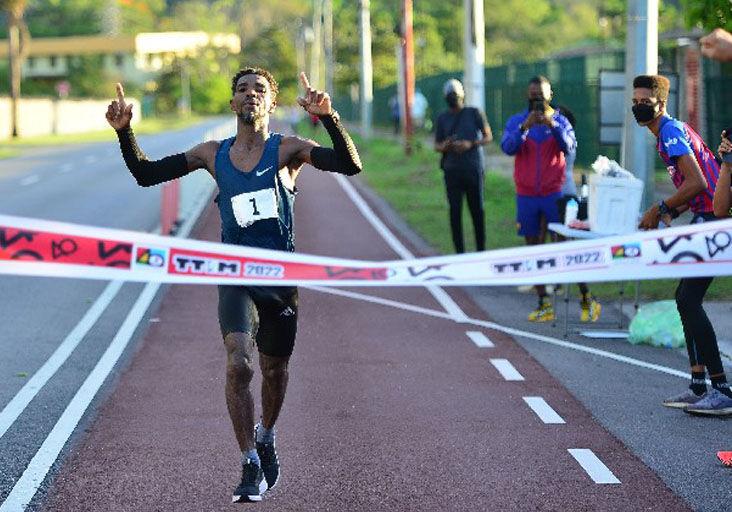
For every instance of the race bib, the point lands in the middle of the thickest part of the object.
(250, 207)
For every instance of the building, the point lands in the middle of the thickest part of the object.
(137, 57)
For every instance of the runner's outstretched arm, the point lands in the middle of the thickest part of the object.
(145, 171)
(343, 157)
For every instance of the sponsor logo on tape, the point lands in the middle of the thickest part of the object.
(186, 263)
(151, 257)
(626, 251)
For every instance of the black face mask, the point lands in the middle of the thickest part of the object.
(452, 100)
(644, 114)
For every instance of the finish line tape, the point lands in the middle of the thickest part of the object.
(32, 247)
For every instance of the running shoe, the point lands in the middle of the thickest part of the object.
(682, 400)
(590, 310)
(725, 458)
(270, 462)
(544, 313)
(713, 403)
(252, 484)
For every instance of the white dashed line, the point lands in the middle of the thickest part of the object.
(66, 167)
(90, 159)
(506, 369)
(480, 339)
(543, 410)
(30, 180)
(594, 467)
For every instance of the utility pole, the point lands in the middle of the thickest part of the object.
(300, 47)
(315, 48)
(408, 52)
(367, 81)
(328, 45)
(474, 51)
(641, 58)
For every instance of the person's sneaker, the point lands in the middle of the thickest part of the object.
(252, 484)
(725, 458)
(270, 462)
(590, 310)
(543, 313)
(682, 400)
(713, 403)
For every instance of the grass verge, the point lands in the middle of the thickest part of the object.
(14, 147)
(414, 187)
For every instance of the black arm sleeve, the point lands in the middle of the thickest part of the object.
(343, 158)
(145, 172)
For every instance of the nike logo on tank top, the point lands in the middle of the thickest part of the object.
(256, 207)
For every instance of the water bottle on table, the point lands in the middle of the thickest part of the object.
(570, 212)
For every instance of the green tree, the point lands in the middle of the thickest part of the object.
(17, 44)
(708, 14)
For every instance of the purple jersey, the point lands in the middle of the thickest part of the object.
(676, 139)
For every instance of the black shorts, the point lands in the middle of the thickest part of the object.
(267, 313)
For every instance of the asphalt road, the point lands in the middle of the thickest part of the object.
(86, 184)
(388, 409)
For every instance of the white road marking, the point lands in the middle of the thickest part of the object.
(543, 410)
(438, 293)
(506, 369)
(480, 339)
(379, 300)
(508, 330)
(90, 159)
(594, 467)
(20, 401)
(25, 488)
(30, 180)
(66, 168)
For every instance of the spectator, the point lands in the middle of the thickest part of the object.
(539, 137)
(589, 306)
(460, 132)
(717, 45)
(395, 112)
(694, 172)
(419, 109)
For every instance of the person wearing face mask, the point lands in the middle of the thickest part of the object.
(459, 135)
(694, 172)
(540, 137)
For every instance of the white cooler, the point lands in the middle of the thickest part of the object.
(614, 204)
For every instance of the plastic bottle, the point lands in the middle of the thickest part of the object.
(570, 212)
(583, 198)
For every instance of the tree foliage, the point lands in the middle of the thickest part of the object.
(516, 30)
(708, 14)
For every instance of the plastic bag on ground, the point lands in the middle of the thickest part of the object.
(657, 324)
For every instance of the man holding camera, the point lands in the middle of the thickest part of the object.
(539, 138)
(694, 172)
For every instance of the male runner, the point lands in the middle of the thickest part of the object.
(694, 172)
(255, 172)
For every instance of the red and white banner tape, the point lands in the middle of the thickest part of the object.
(34, 247)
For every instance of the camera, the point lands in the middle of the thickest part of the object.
(537, 105)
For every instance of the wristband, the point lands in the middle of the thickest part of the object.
(663, 209)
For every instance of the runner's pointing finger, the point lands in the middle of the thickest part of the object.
(121, 95)
(304, 81)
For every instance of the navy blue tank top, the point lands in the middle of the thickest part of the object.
(256, 207)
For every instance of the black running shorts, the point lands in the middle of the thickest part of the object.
(267, 313)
